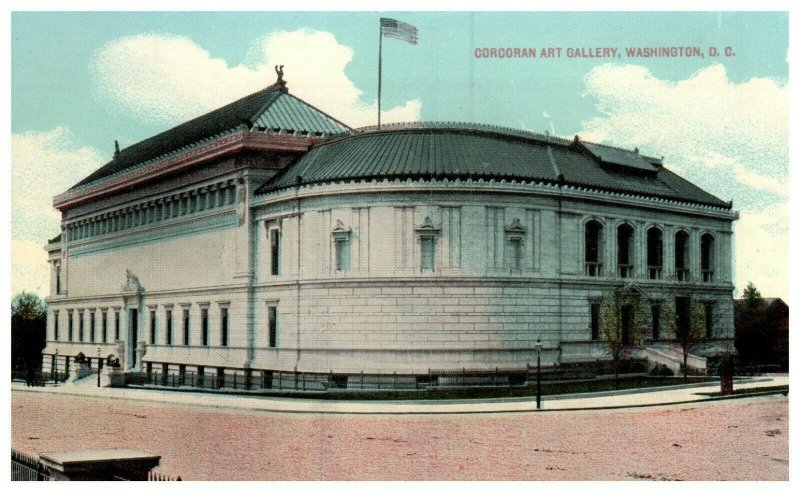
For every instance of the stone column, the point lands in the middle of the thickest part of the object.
(694, 256)
(141, 349)
(668, 238)
(640, 250)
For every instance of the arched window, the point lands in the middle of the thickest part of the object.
(707, 257)
(625, 250)
(682, 255)
(593, 238)
(655, 253)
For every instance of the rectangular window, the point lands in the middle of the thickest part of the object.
(186, 327)
(204, 325)
(223, 326)
(104, 318)
(55, 325)
(116, 325)
(656, 312)
(428, 251)
(595, 326)
(709, 308)
(70, 318)
(168, 328)
(275, 251)
(80, 326)
(272, 317)
(152, 326)
(342, 254)
(58, 279)
(516, 253)
(91, 327)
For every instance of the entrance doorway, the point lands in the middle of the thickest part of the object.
(133, 329)
(626, 319)
(683, 310)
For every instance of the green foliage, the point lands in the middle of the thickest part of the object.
(757, 338)
(27, 306)
(612, 330)
(669, 318)
(697, 326)
(28, 324)
(752, 297)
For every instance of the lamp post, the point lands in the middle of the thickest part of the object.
(99, 366)
(538, 373)
(54, 368)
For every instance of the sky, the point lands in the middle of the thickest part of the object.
(81, 80)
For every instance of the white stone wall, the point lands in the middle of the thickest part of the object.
(384, 314)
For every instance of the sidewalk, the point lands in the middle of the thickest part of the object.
(590, 401)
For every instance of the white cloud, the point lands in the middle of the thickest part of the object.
(29, 268)
(168, 79)
(762, 240)
(43, 164)
(730, 138)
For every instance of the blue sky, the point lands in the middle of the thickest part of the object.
(80, 81)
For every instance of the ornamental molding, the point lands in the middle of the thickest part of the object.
(515, 230)
(219, 145)
(341, 231)
(544, 188)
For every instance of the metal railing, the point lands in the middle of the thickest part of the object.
(593, 269)
(654, 272)
(625, 270)
(27, 468)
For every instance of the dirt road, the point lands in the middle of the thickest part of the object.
(744, 439)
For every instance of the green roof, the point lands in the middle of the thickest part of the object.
(272, 108)
(453, 151)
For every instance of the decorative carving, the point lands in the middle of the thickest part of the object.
(112, 361)
(515, 230)
(131, 283)
(80, 358)
(279, 72)
(241, 207)
(427, 226)
(341, 231)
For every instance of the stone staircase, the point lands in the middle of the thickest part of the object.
(671, 356)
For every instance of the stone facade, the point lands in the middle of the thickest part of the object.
(478, 307)
(218, 254)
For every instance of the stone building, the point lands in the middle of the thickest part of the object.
(268, 235)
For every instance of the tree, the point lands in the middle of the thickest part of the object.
(622, 320)
(752, 297)
(693, 334)
(28, 325)
(755, 327)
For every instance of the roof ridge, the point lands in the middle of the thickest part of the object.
(461, 126)
(205, 115)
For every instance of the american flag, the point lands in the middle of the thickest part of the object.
(392, 28)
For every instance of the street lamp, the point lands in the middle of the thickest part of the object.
(99, 366)
(538, 346)
(54, 368)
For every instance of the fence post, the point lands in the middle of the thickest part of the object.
(67, 366)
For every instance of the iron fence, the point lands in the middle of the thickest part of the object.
(27, 468)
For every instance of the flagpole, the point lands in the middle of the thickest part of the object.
(380, 66)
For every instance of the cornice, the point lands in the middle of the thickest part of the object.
(548, 189)
(218, 146)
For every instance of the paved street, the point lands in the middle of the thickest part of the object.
(743, 439)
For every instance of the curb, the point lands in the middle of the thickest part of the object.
(778, 390)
